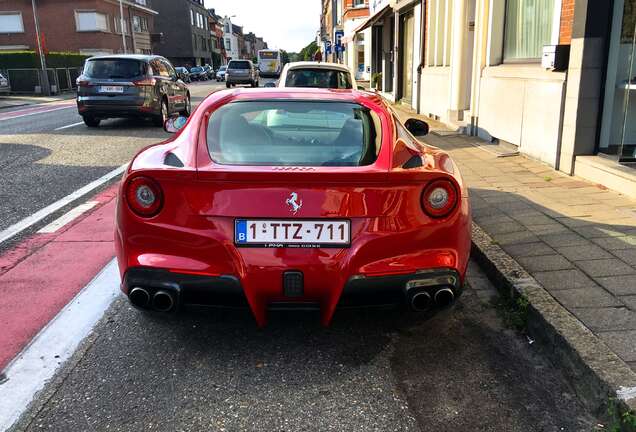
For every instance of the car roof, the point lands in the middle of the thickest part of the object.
(318, 65)
(302, 93)
(141, 57)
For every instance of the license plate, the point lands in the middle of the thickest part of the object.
(111, 89)
(292, 233)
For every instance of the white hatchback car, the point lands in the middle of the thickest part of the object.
(318, 75)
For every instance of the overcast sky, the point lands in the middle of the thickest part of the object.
(284, 24)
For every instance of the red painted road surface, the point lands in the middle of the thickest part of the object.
(42, 274)
(39, 108)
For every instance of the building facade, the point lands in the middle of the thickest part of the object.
(357, 52)
(555, 79)
(219, 56)
(231, 42)
(184, 25)
(89, 27)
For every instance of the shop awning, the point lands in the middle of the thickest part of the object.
(372, 20)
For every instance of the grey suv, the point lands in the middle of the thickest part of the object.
(130, 86)
(241, 72)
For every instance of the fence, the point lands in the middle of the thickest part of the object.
(29, 80)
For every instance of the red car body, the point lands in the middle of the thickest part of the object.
(187, 247)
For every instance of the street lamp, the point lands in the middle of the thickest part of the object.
(46, 86)
(122, 24)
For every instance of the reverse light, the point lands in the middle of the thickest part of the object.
(439, 198)
(144, 196)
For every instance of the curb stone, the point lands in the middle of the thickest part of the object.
(595, 372)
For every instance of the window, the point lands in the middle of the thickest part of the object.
(227, 28)
(191, 17)
(294, 133)
(159, 68)
(320, 78)
(439, 33)
(91, 21)
(228, 44)
(528, 27)
(117, 21)
(142, 2)
(358, 3)
(140, 24)
(11, 22)
(115, 68)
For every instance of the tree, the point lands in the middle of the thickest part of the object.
(307, 53)
(284, 57)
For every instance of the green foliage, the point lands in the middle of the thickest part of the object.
(284, 57)
(513, 311)
(307, 53)
(620, 421)
(376, 80)
(29, 60)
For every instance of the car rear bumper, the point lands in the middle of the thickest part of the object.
(241, 80)
(115, 109)
(227, 290)
(375, 270)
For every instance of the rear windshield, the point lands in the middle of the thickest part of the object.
(297, 133)
(115, 68)
(222, 68)
(196, 69)
(238, 65)
(321, 78)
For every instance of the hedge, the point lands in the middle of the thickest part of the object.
(29, 59)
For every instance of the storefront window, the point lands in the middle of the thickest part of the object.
(528, 27)
(618, 130)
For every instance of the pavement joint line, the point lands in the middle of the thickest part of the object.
(593, 369)
(36, 217)
(68, 217)
(38, 362)
(68, 126)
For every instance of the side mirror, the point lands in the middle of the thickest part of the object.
(416, 127)
(174, 124)
(270, 84)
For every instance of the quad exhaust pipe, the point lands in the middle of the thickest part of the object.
(162, 301)
(422, 301)
(139, 297)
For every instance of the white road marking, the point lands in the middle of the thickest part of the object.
(37, 363)
(48, 210)
(69, 126)
(36, 112)
(68, 217)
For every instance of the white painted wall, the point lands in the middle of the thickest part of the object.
(522, 104)
(435, 87)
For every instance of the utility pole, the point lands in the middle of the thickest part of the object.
(46, 86)
(122, 24)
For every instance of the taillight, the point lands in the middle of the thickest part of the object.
(144, 196)
(145, 82)
(82, 82)
(439, 198)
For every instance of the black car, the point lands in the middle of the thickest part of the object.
(130, 86)
(197, 73)
(209, 70)
(183, 74)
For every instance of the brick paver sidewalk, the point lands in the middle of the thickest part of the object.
(577, 239)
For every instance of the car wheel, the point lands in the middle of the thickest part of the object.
(228, 85)
(188, 107)
(91, 121)
(160, 119)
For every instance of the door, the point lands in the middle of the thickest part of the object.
(407, 22)
(618, 131)
(178, 90)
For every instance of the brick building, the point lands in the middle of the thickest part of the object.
(84, 26)
(186, 37)
(553, 79)
(216, 22)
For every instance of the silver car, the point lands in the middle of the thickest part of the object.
(241, 72)
(4, 84)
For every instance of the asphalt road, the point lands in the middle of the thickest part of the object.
(378, 370)
(39, 164)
